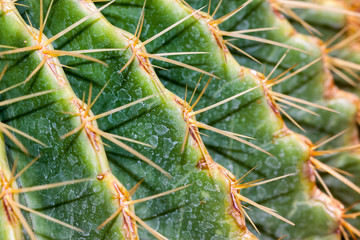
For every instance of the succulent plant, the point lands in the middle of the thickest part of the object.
(132, 119)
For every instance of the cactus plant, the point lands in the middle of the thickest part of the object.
(183, 187)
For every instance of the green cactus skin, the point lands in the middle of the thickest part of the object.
(204, 210)
(238, 117)
(84, 206)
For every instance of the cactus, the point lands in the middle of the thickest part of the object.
(165, 178)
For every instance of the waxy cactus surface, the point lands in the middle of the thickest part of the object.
(174, 119)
